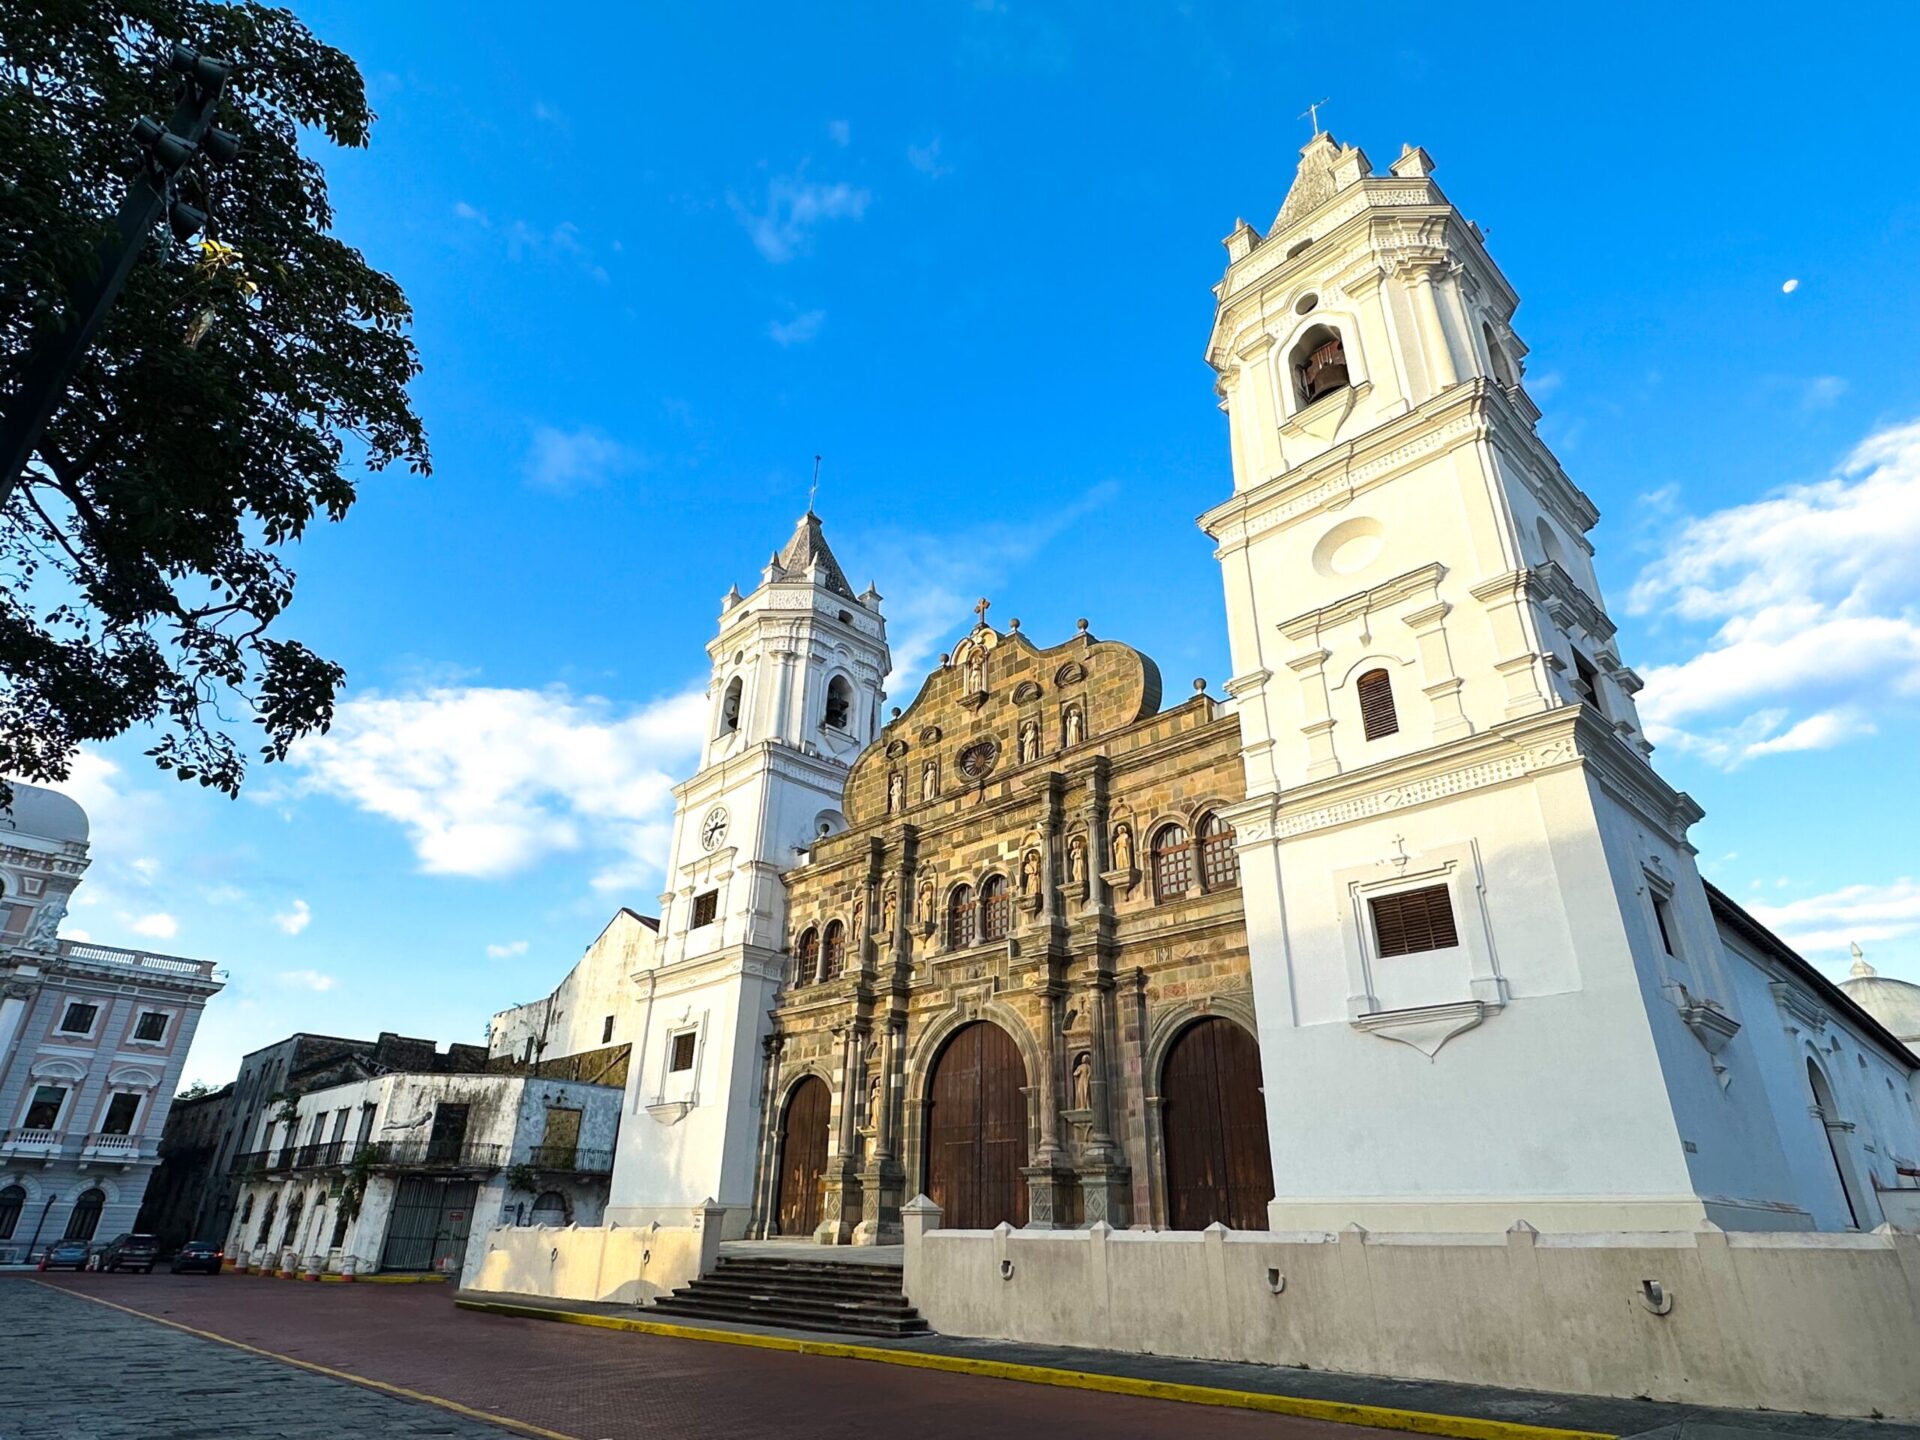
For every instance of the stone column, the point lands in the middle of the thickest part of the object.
(842, 1175)
(1439, 351)
(1443, 687)
(1318, 731)
(765, 1191)
(883, 1183)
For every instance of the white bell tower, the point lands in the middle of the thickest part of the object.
(1488, 982)
(795, 696)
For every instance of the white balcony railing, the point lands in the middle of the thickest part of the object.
(88, 953)
(32, 1142)
(115, 1147)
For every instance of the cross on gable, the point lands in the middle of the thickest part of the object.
(982, 608)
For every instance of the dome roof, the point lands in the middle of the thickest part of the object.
(45, 813)
(1894, 1003)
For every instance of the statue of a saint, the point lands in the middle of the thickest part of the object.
(1076, 727)
(1122, 848)
(887, 912)
(1029, 742)
(1030, 872)
(930, 780)
(896, 792)
(1077, 859)
(1083, 1081)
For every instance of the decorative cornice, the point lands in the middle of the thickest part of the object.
(1365, 602)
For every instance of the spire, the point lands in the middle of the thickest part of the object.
(1326, 168)
(808, 549)
(1861, 969)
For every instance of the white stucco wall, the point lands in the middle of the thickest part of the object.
(573, 1019)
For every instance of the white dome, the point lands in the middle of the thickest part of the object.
(45, 813)
(1894, 1003)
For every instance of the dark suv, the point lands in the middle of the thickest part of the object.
(130, 1252)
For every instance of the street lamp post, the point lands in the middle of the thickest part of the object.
(162, 151)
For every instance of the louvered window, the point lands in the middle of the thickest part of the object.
(1172, 862)
(833, 951)
(1414, 920)
(806, 958)
(996, 909)
(706, 908)
(960, 918)
(1376, 705)
(1219, 860)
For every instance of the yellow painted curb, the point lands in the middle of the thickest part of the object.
(1380, 1417)
(386, 1387)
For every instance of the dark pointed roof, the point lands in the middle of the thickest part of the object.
(809, 547)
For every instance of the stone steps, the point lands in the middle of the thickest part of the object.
(843, 1298)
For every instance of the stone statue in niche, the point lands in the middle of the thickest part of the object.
(930, 780)
(1029, 742)
(1030, 872)
(887, 912)
(1083, 1081)
(896, 792)
(1122, 847)
(44, 934)
(873, 1099)
(1076, 728)
(859, 915)
(926, 902)
(1077, 859)
(976, 673)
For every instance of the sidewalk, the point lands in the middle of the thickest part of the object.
(1462, 1412)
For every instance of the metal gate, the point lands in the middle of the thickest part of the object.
(431, 1218)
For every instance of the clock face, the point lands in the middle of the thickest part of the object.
(713, 829)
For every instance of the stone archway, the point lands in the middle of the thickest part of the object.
(1218, 1164)
(976, 1129)
(803, 1156)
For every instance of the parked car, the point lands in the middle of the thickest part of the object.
(202, 1255)
(66, 1255)
(130, 1252)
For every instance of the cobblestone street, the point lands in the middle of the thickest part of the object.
(76, 1370)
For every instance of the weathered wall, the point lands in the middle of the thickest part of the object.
(1788, 1320)
(629, 1265)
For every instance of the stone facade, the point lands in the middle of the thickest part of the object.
(1046, 772)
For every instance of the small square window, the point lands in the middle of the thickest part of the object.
(682, 1056)
(706, 908)
(79, 1018)
(606, 1032)
(152, 1026)
(1412, 921)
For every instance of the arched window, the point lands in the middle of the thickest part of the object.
(266, 1219)
(1827, 1113)
(1219, 860)
(806, 957)
(1319, 364)
(291, 1233)
(1377, 719)
(960, 917)
(1497, 355)
(549, 1208)
(833, 950)
(1172, 862)
(730, 707)
(839, 703)
(996, 908)
(11, 1200)
(85, 1218)
(246, 1208)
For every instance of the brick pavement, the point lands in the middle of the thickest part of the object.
(74, 1371)
(576, 1382)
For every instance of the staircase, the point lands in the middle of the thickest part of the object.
(848, 1299)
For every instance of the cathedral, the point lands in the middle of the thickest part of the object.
(1403, 932)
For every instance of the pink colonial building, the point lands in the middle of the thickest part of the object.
(92, 1041)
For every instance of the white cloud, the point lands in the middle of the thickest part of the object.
(70, 934)
(472, 214)
(146, 867)
(487, 782)
(796, 207)
(507, 951)
(294, 919)
(1822, 392)
(1827, 924)
(798, 330)
(1814, 600)
(840, 132)
(565, 460)
(313, 980)
(157, 926)
(1789, 287)
(926, 159)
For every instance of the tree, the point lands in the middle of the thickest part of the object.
(221, 408)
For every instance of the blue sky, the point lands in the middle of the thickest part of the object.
(661, 257)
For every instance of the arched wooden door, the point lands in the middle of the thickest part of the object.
(1215, 1124)
(803, 1155)
(977, 1130)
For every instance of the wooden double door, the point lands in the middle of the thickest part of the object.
(803, 1156)
(977, 1130)
(1215, 1124)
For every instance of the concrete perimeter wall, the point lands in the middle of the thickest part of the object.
(1787, 1321)
(625, 1264)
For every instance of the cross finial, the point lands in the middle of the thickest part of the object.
(813, 489)
(1312, 112)
(982, 608)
